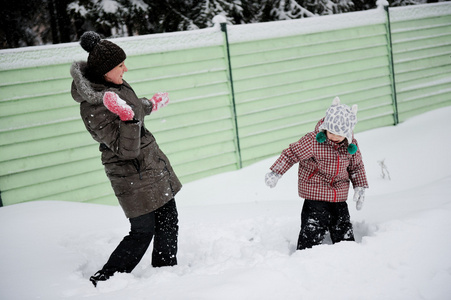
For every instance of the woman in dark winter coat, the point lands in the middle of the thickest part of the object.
(328, 159)
(140, 173)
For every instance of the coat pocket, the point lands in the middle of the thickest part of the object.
(313, 174)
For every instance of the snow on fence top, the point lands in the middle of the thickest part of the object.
(65, 53)
(154, 43)
(275, 29)
(413, 12)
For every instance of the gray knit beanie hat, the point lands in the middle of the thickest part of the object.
(103, 54)
(340, 119)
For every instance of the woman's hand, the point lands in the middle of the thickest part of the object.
(159, 100)
(118, 106)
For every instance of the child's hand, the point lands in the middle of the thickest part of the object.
(271, 179)
(118, 106)
(359, 197)
(159, 100)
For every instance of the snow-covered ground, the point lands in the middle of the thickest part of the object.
(237, 236)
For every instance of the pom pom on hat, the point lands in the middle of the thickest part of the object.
(352, 148)
(89, 40)
(321, 137)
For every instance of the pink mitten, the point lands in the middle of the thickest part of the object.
(118, 106)
(159, 100)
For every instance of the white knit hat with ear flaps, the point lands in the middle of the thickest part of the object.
(340, 119)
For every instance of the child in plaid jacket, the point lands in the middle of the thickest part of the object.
(329, 159)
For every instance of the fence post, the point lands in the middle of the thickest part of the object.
(237, 136)
(392, 67)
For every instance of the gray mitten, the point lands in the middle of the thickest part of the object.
(359, 197)
(271, 179)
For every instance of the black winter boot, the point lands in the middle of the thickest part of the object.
(99, 276)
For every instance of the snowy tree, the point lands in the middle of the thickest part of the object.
(364, 4)
(251, 11)
(329, 7)
(394, 3)
(22, 23)
(104, 16)
(171, 15)
(205, 10)
(284, 10)
(135, 17)
(60, 23)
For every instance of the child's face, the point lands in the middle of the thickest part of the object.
(335, 138)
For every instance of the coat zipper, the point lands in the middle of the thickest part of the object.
(336, 173)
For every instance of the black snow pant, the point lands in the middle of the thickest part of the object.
(162, 225)
(318, 217)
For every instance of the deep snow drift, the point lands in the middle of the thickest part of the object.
(237, 236)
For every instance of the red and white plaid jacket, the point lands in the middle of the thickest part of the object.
(325, 169)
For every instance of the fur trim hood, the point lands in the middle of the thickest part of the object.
(82, 88)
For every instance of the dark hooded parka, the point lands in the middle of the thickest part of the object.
(140, 173)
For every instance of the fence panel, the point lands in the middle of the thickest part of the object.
(46, 153)
(283, 85)
(421, 37)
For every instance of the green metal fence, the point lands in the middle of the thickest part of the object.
(421, 38)
(238, 95)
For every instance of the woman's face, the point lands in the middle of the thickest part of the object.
(335, 138)
(115, 75)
